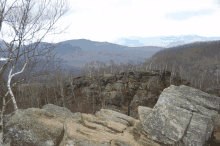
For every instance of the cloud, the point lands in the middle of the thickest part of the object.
(122, 3)
(216, 2)
(99, 20)
(188, 14)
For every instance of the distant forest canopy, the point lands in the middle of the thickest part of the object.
(193, 56)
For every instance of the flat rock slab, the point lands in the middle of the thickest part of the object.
(77, 134)
(116, 117)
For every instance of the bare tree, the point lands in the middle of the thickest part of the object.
(25, 23)
(60, 83)
(112, 65)
(28, 22)
(130, 65)
(72, 87)
(88, 68)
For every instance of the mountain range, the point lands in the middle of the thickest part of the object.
(162, 41)
(76, 54)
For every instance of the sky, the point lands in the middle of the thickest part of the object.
(108, 20)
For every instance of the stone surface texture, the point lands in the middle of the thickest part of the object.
(175, 115)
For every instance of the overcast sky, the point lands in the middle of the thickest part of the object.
(107, 20)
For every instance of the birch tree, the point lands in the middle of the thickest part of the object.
(27, 22)
(112, 65)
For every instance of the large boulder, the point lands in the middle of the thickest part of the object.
(182, 115)
(61, 112)
(33, 126)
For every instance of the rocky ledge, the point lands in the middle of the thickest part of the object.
(182, 116)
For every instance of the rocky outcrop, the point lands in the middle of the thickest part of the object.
(124, 92)
(56, 126)
(182, 116)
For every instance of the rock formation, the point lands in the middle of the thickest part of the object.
(124, 92)
(182, 116)
(159, 114)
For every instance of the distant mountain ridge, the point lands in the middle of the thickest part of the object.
(162, 41)
(76, 54)
(87, 45)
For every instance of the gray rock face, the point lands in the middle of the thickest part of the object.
(26, 128)
(122, 90)
(182, 115)
(113, 98)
